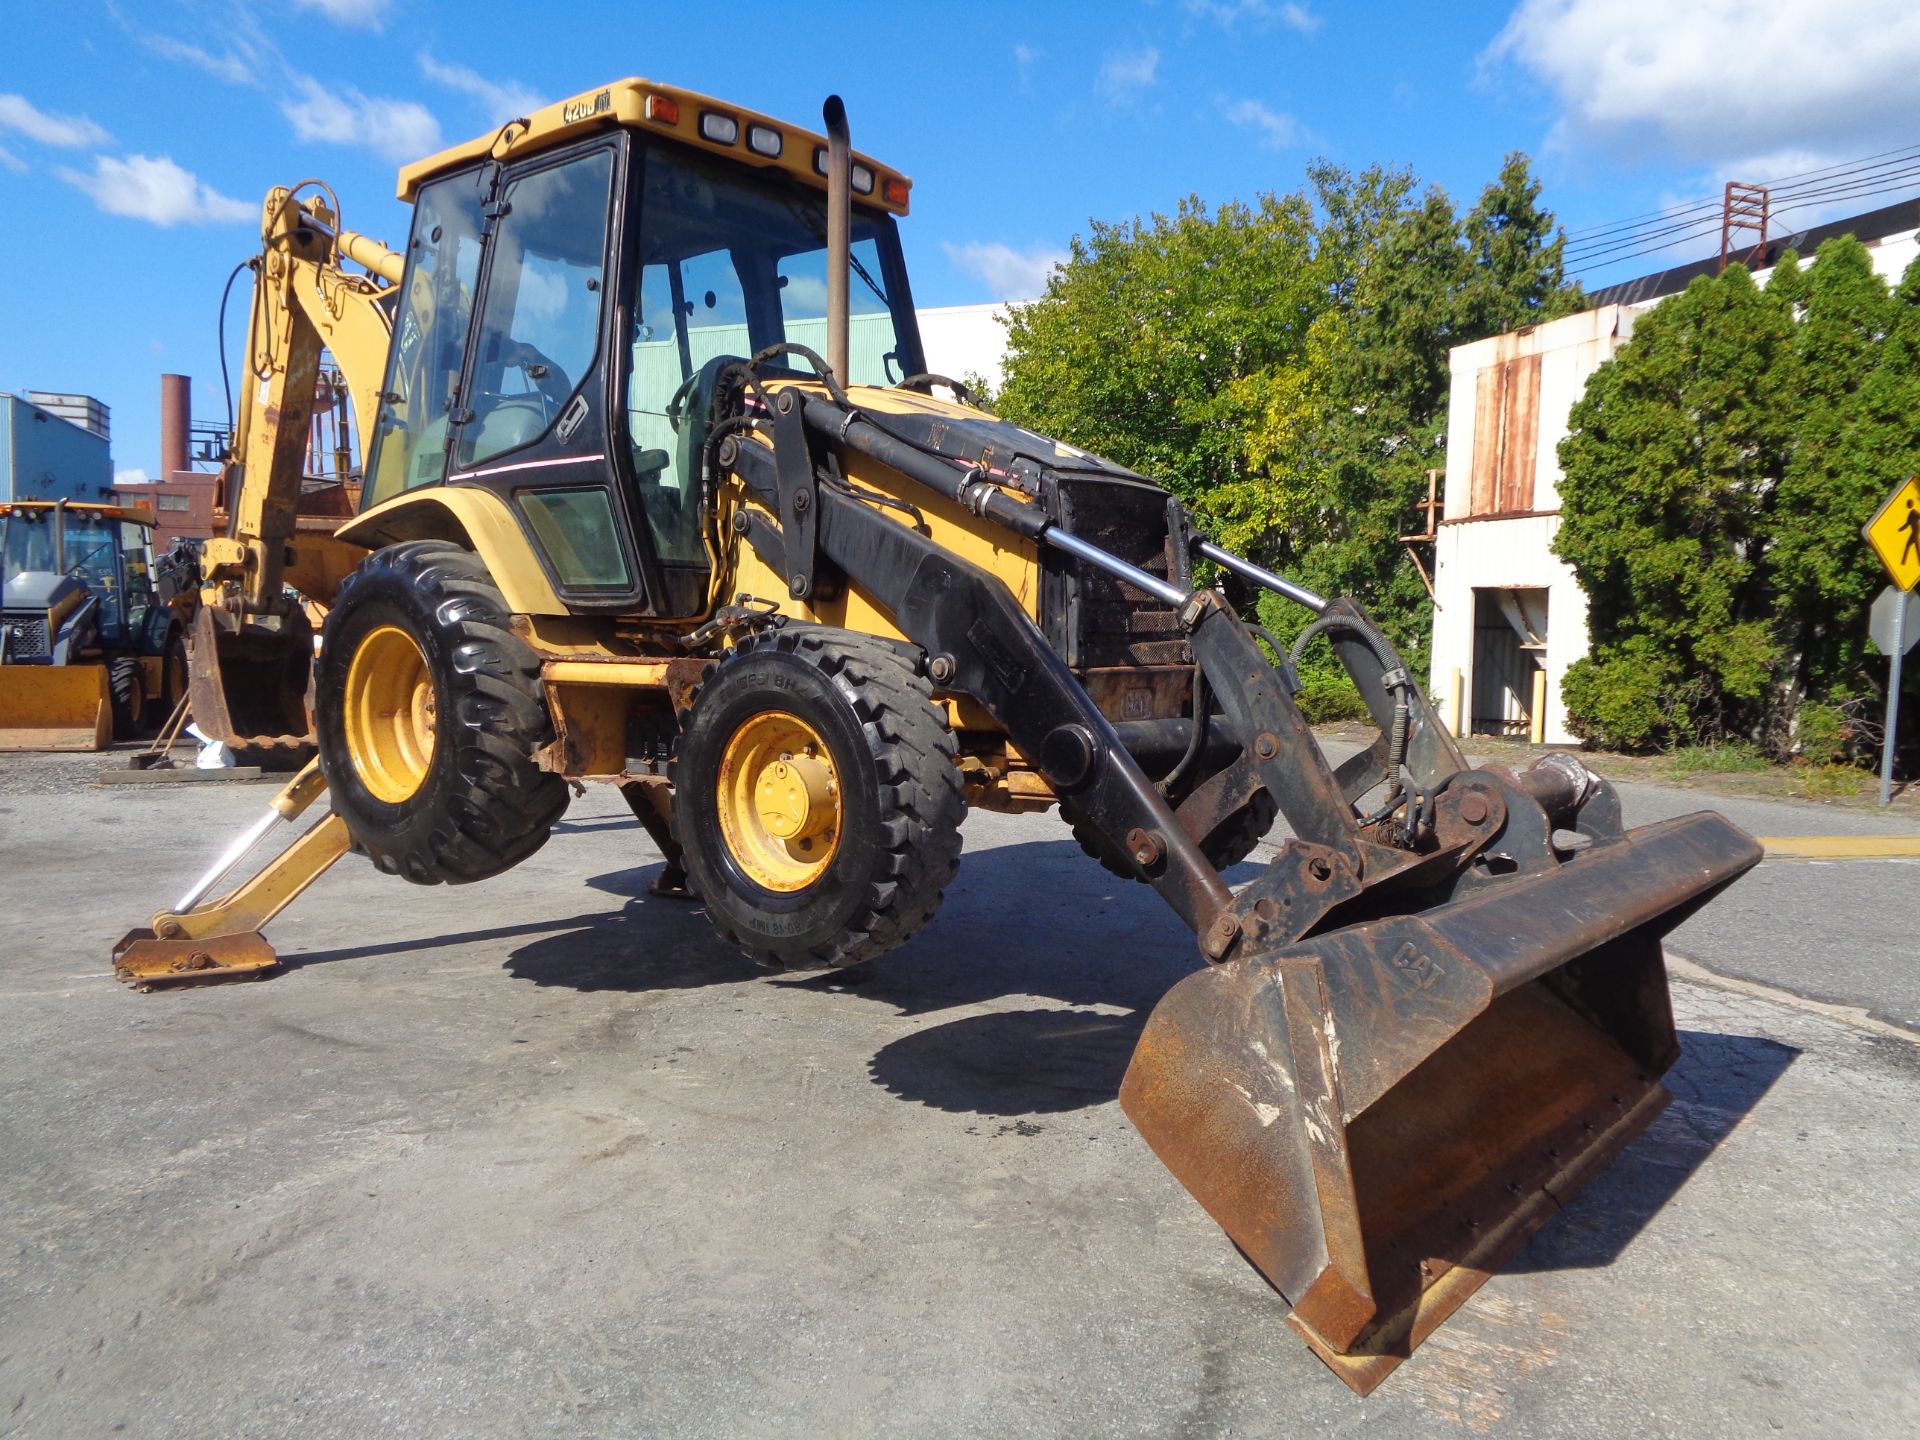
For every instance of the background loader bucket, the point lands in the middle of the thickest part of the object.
(55, 707)
(1378, 1117)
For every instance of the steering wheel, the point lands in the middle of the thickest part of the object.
(676, 403)
(77, 570)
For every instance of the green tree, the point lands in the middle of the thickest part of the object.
(1856, 364)
(1135, 347)
(1427, 280)
(1283, 366)
(1671, 473)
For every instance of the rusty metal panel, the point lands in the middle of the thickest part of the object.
(1506, 436)
(1488, 398)
(1519, 436)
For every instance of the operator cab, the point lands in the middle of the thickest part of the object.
(565, 318)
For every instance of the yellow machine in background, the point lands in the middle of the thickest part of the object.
(624, 522)
(87, 654)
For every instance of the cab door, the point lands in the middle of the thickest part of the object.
(530, 419)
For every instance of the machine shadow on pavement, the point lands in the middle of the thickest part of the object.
(1716, 1084)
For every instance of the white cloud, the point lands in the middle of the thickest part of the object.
(1130, 70)
(1260, 12)
(1276, 131)
(229, 44)
(239, 65)
(132, 477)
(503, 100)
(1025, 58)
(1009, 273)
(153, 188)
(369, 14)
(11, 161)
(401, 130)
(1719, 84)
(21, 114)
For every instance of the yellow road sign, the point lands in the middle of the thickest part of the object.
(1894, 533)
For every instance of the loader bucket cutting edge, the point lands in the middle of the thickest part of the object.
(55, 707)
(1380, 1116)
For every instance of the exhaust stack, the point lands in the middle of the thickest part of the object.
(839, 233)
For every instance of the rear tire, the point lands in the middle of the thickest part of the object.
(127, 696)
(428, 743)
(860, 716)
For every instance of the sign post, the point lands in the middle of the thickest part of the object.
(1894, 534)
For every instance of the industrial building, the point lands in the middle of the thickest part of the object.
(55, 447)
(1509, 616)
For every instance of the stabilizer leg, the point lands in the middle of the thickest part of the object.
(208, 943)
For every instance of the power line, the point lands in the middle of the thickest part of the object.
(1628, 247)
(1655, 231)
(1686, 207)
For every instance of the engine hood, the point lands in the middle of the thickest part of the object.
(43, 590)
(1012, 455)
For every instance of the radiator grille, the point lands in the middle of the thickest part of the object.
(1101, 619)
(26, 637)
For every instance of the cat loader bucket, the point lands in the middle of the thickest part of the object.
(1380, 1115)
(55, 707)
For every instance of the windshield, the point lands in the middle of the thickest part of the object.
(733, 260)
(82, 547)
(29, 544)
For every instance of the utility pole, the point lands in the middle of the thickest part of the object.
(1744, 208)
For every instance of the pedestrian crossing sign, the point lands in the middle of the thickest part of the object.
(1894, 534)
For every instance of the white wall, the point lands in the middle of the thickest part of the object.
(1504, 554)
(963, 340)
(1515, 553)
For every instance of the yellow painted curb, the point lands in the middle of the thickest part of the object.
(1841, 847)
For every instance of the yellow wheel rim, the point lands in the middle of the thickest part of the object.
(780, 801)
(390, 710)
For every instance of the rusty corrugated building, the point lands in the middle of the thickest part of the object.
(1509, 616)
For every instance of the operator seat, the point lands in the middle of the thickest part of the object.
(696, 420)
(672, 498)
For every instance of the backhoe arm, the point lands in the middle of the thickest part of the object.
(304, 301)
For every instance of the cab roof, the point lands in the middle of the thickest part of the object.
(137, 514)
(742, 135)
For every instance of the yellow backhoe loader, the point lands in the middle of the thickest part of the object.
(87, 655)
(623, 521)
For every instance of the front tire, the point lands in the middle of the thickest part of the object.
(126, 696)
(428, 712)
(816, 798)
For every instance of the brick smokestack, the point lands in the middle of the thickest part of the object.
(176, 418)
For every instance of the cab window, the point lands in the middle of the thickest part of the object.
(540, 322)
(733, 260)
(429, 338)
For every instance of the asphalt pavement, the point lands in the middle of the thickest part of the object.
(541, 1157)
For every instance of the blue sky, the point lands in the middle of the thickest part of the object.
(137, 137)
